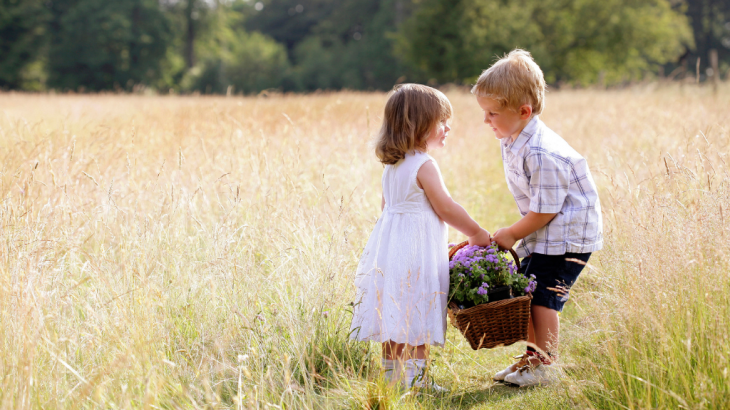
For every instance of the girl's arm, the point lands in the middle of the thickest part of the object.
(382, 203)
(446, 208)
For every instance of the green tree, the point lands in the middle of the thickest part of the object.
(351, 48)
(229, 56)
(100, 44)
(21, 42)
(618, 40)
(289, 21)
(574, 41)
(711, 27)
(453, 40)
(251, 64)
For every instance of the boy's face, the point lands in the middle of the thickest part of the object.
(504, 122)
(437, 137)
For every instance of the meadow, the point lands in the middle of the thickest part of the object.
(199, 252)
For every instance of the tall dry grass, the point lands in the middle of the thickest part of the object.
(652, 331)
(199, 252)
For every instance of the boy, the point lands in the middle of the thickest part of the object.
(561, 216)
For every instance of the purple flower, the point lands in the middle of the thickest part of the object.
(531, 286)
(451, 245)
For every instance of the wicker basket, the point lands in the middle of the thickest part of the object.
(493, 324)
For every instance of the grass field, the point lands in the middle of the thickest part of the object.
(185, 252)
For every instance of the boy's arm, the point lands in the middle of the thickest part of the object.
(447, 209)
(506, 237)
(549, 183)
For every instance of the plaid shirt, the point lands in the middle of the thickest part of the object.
(546, 175)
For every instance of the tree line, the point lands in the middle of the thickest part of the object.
(246, 46)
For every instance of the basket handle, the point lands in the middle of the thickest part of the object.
(455, 248)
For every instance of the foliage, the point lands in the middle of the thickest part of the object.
(350, 48)
(710, 21)
(98, 44)
(474, 271)
(576, 41)
(247, 62)
(610, 41)
(289, 22)
(22, 24)
(303, 45)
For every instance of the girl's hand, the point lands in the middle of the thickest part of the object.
(482, 238)
(504, 238)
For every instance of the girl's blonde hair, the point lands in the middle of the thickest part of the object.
(411, 112)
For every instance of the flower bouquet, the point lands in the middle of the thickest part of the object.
(489, 300)
(480, 275)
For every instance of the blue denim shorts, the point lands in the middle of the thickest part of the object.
(555, 275)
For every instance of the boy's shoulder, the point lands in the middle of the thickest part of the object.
(546, 142)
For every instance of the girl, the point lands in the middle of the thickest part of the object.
(403, 277)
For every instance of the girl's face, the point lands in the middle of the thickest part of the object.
(437, 137)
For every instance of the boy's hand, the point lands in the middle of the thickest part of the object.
(481, 239)
(504, 238)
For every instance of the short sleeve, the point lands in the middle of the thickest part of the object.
(549, 182)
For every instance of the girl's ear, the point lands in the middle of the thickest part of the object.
(525, 111)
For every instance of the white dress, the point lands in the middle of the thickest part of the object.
(403, 277)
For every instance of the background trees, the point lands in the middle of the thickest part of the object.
(22, 25)
(98, 44)
(576, 41)
(220, 46)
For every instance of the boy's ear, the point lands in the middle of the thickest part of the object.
(525, 111)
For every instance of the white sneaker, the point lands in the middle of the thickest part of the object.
(499, 377)
(540, 375)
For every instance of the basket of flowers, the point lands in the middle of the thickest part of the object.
(489, 300)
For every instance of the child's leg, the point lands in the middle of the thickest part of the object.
(406, 362)
(391, 351)
(546, 328)
(396, 351)
(395, 358)
(420, 352)
(555, 276)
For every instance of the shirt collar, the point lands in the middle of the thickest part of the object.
(525, 135)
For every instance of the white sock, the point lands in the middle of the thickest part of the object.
(389, 368)
(414, 369)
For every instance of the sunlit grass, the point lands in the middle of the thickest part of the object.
(199, 252)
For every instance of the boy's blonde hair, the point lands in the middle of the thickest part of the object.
(513, 81)
(412, 111)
